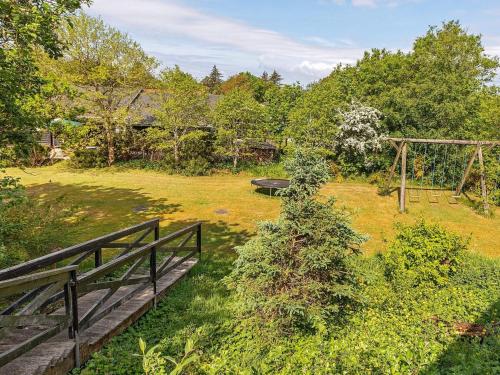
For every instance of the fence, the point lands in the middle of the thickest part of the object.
(33, 311)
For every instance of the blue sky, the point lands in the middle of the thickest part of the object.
(302, 39)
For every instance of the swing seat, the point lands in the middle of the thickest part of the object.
(415, 197)
(433, 198)
(453, 198)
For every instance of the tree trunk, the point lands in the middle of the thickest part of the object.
(110, 138)
(176, 148)
(235, 157)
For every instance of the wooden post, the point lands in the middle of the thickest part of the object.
(394, 165)
(402, 195)
(484, 192)
(98, 258)
(467, 171)
(74, 315)
(152, 263)
(198, 240)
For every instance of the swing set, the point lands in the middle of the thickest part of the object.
(437, 168)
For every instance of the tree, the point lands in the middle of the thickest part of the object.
(275, 78)
(248, 82)
(359, 137)
(298, 271)
(280, 100)
(314, 120)
(238, 117)
(450, 69)
(213, 80)
(264, 76)
(109, 68)
(25, 26)
(184, 108)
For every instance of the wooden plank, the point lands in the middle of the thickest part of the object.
(16, 351)
(26, 282)
(32, 320)
(26, 297)
(178, 249)
(394, 165)
(115, 284)
(56, 356)
(484, 192)
(41, 298)
(71, 251)
(121, 245)
(177, 263)
(135, 243)
(466, 172)
(111, 291)
(402, 195)
(165, 263)
(117, 263)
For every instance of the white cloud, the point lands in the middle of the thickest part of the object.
(373, 3)
(170, 29)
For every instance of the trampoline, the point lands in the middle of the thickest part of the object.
(270, 183)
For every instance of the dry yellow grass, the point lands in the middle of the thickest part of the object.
(110, 199)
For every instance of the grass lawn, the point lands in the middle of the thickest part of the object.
(201, 306)
(110, 199)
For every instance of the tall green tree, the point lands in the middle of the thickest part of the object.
(432, 91)
(108, 68)
(213, 80)
(275, 77)
(314, 120)
(280, 100)
(450, 70)
(24, 27)
(183, 110)
(238, 118)
(248, 82)
(298, 270)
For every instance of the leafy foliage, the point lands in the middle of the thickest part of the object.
(183, 111)
(28, 228)
(359, 138)
(280, 100)
(154, 364)
(26, 26)
(297, 271)
(238, 118)
(424, 253)
(213, 80)
(112, 68)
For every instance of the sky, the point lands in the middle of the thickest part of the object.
(302, 39)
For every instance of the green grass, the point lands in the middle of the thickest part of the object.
(392, 330)
(107, 199)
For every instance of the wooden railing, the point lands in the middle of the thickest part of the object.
(49, 282)
(119, 264)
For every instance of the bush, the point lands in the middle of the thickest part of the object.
(28, 229)
(88, 158)
(424, 253)
(196, 167)
(298, 271)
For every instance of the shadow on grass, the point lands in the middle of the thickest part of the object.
(473, 355)
(101, 210)
(199, 303)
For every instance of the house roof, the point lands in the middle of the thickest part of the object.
(147, 101)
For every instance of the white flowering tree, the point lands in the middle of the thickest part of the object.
(359, 137)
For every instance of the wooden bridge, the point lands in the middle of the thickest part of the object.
(60, 308)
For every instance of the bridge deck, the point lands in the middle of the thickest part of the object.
(56, 356)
